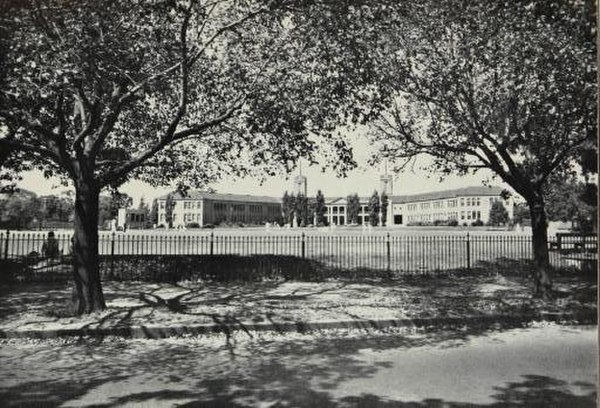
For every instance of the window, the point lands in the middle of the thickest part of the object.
(162, 204)
(335, 211)
(220, 207)
(478, 201)
(462, 202)
(478, 215)
(462, 215)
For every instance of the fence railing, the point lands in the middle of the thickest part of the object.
(399, 253)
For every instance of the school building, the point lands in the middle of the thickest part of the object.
(204, 208)
(465, 205)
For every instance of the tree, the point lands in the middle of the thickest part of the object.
(352, 208)
(301, 210)
(498, 214)
(169, 207)
(374, 208)
(288, 208)
(18, 209)
(508, 87)
(153, 216)
(521, 214)
(320, 208)
(385, 201)
(172, 91)
(574, 202)
(145, 210)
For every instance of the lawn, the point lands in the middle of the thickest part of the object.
(41, 306)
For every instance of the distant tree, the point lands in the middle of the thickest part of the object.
(498, 214)
(169, 207)
(19, 209)
(288, 207)
(385, 201)
(352, 208)
(521, 214)
(374, 207)
(574, 202)
(320, 208)
(301, 209)
(153, 216)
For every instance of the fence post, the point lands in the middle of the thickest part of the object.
(468, 253)
(212, 242)
(303, 245)
(387, 243)
(112, 254)
(6, 244)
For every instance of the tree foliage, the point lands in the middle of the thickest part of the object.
(18, 209)
(385, 202)
(153, 215)
(320, 208)
(352, 208)
(169, 207)
(498, 214)
(302, 210)
(374, 209)
(574, 202)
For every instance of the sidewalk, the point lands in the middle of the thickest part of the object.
(136, 309)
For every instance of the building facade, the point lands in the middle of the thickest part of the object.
(464, 205)
(203, 208)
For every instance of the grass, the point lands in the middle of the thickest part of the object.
(38, 306)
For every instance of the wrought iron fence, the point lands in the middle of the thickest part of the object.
(398, 253)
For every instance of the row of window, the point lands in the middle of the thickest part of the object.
(453, 215)
(453, 203)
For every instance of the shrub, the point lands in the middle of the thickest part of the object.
(477, 223)
(210, 226)
(453, 223)
(160, 226)
(192, 225)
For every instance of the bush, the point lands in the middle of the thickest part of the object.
(210, 226)
(160, 226)
(192, 225)
(453, 223)
(477, 223)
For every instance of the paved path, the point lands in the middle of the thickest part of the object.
(544, 366)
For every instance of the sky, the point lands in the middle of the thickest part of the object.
(364, 180)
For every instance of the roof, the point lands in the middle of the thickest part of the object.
(204, 195)
(458, 192)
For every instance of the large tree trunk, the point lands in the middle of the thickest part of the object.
(87, 290)
(539, 227)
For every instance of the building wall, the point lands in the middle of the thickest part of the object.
(463, 209)
(213, 211)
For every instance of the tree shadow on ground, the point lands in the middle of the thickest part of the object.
(295, 372)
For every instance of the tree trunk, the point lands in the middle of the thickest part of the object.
(539, 227)
(87, 291)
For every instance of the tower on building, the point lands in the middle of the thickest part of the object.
(386, 182)
(300, 186)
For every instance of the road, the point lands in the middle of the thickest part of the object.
(543, 366)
